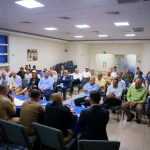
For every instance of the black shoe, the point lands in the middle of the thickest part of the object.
(113, 111)
(130, 119)
(64, 98)
(138, 121)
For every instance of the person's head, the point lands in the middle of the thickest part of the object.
(92, 80)
(62, 67)
(35, 53)
(87, 69)
(45, 69)
(7, 69)
(108, 73)
(34, 75)
(3, 75)
(35, 95)
(127, 71)
(3, 89)
(76, 70)
(57, 98)
(65, 72)
(95, 97)
(14, 74)
(138, 83)
(32, 54)
(46, 74)
(21, 69)
(111, 69)
(51, 68)
(26, 67)
(119, 76)
(115, 68)
(54, 68)
(51, 73)
(115, 82)
(34, 67)
(28, 70)
(140, 74)
(100, 75)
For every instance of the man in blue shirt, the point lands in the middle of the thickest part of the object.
(46, 85)
(42, 73)
(91, 86)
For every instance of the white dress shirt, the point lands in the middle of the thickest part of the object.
(77, 76)
(5, 81)
(114, 74)
(86, 74)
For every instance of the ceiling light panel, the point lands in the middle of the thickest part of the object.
(121, 23)
(51, 28)
(82, 26)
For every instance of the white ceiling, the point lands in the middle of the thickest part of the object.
(88, 12)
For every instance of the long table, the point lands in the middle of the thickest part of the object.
(78, 110)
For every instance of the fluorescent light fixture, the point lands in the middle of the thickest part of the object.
(121, 23)
(130, 34)
(51, 28)
(103, 35)
(82, 26)
(78, 36)
(29, 3)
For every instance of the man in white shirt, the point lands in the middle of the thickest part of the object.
(114, 73)
(86, 74)
(5, 80)
(77, 78)
(53, 76)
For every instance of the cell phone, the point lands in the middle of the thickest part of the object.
(8, 96)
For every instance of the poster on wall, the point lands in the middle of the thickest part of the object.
(32, 54)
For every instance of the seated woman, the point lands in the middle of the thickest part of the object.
(32, 85)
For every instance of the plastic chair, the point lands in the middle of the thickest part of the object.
(98, 145)
(79, 86)
(24, 83)
(51, 137)
(16, 133)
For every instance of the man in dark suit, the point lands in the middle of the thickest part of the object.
(94, 120)
(64, 83)
(57, 116)
(61, 72)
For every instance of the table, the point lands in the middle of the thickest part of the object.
(78, 110)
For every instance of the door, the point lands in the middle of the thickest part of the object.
(120, 63)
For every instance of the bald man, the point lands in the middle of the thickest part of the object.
(7, 73)
(128, 76)
(42, 73)
(64, 83)
(5, 80)
(58, 115)
(108, 78)
(91, 86)
(15, 83)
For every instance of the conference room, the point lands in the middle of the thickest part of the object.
(74, 74)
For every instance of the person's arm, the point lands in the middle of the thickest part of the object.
(19, 83)
(39, 84)
(41, 110)
(80, 77)
(81, 119)
(103, 83)
(143, 97)
(60, 80)
(131, 79)
(119, 93)
(67, 80)
(48, 86)
(108, 90)
(11, 106)
(124, 85)
(129, 94)
(147, 78)
(96, 88)
(8, 82)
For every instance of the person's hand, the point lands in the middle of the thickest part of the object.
(128, 82)
(74, 112)
(34, 86)
(11, 98)
(100, 86)
(108, 82)
(148, 73)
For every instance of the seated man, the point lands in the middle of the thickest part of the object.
(46, 85)
(53, 76)
(77, 78)
(61, 72)
(128, 76)
(95, 129)
(7, 106)
(15, 83)
(143, 85)
(26, 67)
(42, 73)
(34, 69)
(5, 80)
(30, 112)
(89, 87)
(143, 76)
(100, 80)
(135, 98)
(21, 73)
(140, 76)
(86, 74)
(114, 73)
(64, 83)
(58, 115)
(7, 73)
(55, 73)
(114, 94)
(108, 78)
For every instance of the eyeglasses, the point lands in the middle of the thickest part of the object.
(99, 75)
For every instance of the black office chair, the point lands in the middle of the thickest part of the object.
(24, 83)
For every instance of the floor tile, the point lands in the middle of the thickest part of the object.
(137, 134)
(124, 145)
(146, 148)
(137, 140)
(147, 136)
(125, 131)
(123, 138)
(146, 142)
(113, 129)
(135, 147)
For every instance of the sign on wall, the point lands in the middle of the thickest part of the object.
(32, 54)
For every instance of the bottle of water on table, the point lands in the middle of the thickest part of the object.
(44, 100)
(72, 105)
(13, 93)
(25, 96)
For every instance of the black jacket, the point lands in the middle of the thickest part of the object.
(94, 120)
(21, 74)
(36, 82)
(57, 116)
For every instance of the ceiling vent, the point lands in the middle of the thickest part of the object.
(127, 1)
(138, 29)
(67, 33)
(25, 22)
(112, 13)
(63, 18)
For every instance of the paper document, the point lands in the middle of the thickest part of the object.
(18, 102)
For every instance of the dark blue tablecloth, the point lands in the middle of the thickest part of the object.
(41, 118)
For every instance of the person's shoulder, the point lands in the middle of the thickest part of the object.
(96, 84)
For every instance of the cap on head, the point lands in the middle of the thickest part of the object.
(33, 71)
(140, 72)
(87, 68)
(34, 66)
(114, 67)
(22, 67)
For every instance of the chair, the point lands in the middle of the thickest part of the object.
(126, 81)
(24, 83)
(98, 145)
(51, 137)
(118, 107)
(16, 133)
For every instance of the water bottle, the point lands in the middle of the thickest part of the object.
(25, 96)
(71, 105)
(13, 93)
(44, 100)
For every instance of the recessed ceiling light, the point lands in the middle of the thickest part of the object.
(29, 3)
(130, 34)
(103, 35)
(78, 36)
(51, 28)
(82, 26)
(121, 23)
